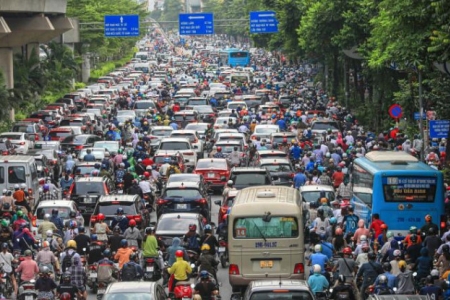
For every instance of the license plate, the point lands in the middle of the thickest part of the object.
(221, 249)
(149, 269)
(211, 175)
(93, 275)
(120, 192)
(29, 297)
(99, 291)
(181, 206)
(266, 263)
(88, 200)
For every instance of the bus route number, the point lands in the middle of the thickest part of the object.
(241, 232)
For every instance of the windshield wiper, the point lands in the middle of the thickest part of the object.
(260, 232)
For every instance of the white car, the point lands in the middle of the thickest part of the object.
(64, 207)
(264, 131)
(193, 137)
(20, 140)
(172, 145)
(232, 136)
(222, 122)
(199, 127)
(124, 115)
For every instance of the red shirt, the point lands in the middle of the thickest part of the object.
(338, 178)
(376, 226)
(176, 108)
(147, 162)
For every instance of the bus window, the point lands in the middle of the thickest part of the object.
(33, 171)
(409, 189)
(2, 175)
(238, 54)
(16, 174)
(256, 228)
(366, 198)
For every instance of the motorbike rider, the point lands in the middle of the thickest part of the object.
(78, 277)
(425, 230)
(164, 167)
(209, 239)
(45, 284)
(207, 262)
(57, 220)
(71, 231)
(382, 286)
(47, 194)
(235, 157)
(28, 268)
(173, 249)
(45, 226)
(136, 270)
(146, 188)
(120, 220)
(173, 169)
(219, 153)
(66, 287)
(342, 290)
(123, 253)
(205, 288)
(180, 269)
(346, 266)
(430, 289)
(369, 271)
(7, 259)
(132, 234)
(389, 277)
(101, 228)
(105, 268)
(192, 238)
(115, 239)
(135, 189)
(46, 258)
(317, 282)
(151, 246)
(404, 281)
(96, 249)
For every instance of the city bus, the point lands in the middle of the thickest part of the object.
(265, 236)
(398, 187)
(234, 57)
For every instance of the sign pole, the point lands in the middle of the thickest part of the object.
(422, 134)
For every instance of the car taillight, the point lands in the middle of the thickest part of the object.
(443, 222)
(153, 137)
(93, 267)
(233, 270)
(299, 268)
(195, 141)
(224, 173)
(33, 221)
(161, 201)
(79, 147)
(224, 210)
(201, 201)
(188, 153)
(292, 175)
(36, 137)
(28, 286)
(138, 218)
(41, 181)
(5, 152)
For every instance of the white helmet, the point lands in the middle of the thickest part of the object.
(23, 186)
(397, 253)
(47, 217)
(16, 186)
(230, 182)
(49, 233)
(317, 248)
(5, 191)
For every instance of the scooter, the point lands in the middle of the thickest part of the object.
(27, 291)
(151, 270)
(183, 289)
(92, 278)
(223, 252)
(6, 286)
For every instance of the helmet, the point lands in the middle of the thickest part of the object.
(323, 200)
(338, 231)
(28, 253)
(179, 253)
(49, 233)
(65, 296)
(387, 266)
(119, 211)
(72, 214)
(116, 229)
(149, 230)
(101, 217)
(428, 218)
(445, 248)
(94, 237)
(46, 187)
(16, 186)
(434, 273)
(4, 223)
(44, 270)
(317, 248)
(107, 253)
(20, 213)
(208, 227)
(333, 220)
(347, 251)
(363, 238)
(382, 279)
(413, 229)
(23, 186)
(71, 244)
(204, 274)
(383, 227)
(389, 234)
(124, 243)
(146, 174)
(4, 245)
(413, 239)
(230, 182)
(132, 223)
(397, 253)
(73, 224)
(317, 269)
(402, 264)
(320, 211)
(431, 230)
(371, 256)
(192, 227)
(205, 247)
(224, 217)
(219, 149)
(66, 276)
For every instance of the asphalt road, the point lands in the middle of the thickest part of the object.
(225, 288)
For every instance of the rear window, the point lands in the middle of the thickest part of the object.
(324, 126)
(144, 105)
(257, 228)
(75, 139)
(23, 128)
(266, 130)
(228, 148)
(46, 118)
(280, 139)
(282, 294)
(107, 208)
(174, 146)
(216, 164)
(314, 196)
(182, 193)
(161, 132)
(250, 179)
(197, 102)
(111, 147)
(160, 159)
(16, 174)
(71, 123)
(176, 224)
(60, 134)
(278, 167)
(63, 212)
(84, 170)
(187, 136)
(187, 117)
(11, 136)
(85, 188)
(196, 127)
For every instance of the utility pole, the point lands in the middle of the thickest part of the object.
(421, 112)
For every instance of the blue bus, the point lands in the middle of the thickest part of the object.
(234, 57)
(401, 189)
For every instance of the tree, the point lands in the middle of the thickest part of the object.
(5, 99)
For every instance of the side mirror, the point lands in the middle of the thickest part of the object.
(217, 202)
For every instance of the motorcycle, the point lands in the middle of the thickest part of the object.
(223, 252)
(6, 286)
(183, 290)
(101, 290)
(92, 278)
(193, 258)
(27, 291)
(152, 271)
(119, 187)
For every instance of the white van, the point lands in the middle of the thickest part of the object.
(15, 169)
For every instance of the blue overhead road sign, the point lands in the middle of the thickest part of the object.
(196, 24)
(122, 26)
(439, 128)
(263, 22)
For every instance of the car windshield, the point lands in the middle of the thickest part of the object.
(250, 179)
(59, 134)
(175, 224)
(76, 139)
(215, 164)
(324, 126)
(280, 139)
(161, 132)
(11, 136)
(228, 148)
(83, 170)
(71, 123)
(63, 212)
(196, 127)
(278, 167)
(183, 177)
(86, 187)
(182, 117)
(266, 130)
(128, 296)
(109, 209)
(98, 154)
(182, 193)
(236, 105)
(23, 128)
(204, 109)
(189, 136)
(144, 105)
(197, 102)
(111, 147)
(174, 146)
(282, 295)
(272, 155)
(314, 196)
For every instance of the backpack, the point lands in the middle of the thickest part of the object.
(193, 242)
(67, 261)
(129, 272)
(343, 295)
(384, 291)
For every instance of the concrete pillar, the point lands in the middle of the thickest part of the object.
(85, 68)
(33, 49)
(6, 67)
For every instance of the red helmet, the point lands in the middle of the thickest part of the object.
(101, 217)
(192, 227)
(65, 296)
(179, 253)
(132, 223)
(146, 174)
(338, 231)
(383, 226)
(347, 250)
(219, 149)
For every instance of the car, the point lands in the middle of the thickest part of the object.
(280, 169)
(6, 147)
(75, 121)
(75, 129)
(228, 147)
(184, 197)
(110, 146)
(173, 145)
(20, 140)
(173, 225)
(86, 192)
(274, 154)
(222, 122)
(264, 131)
(157, 133)
(47, 117)
(75, 143)
(225, 204)
(215, 171)
(205, 113)
(125, 115)
(144, 290)
(53, 161)
(192, 136)
(58, 133)
(83, 169)
(29, 128)
(54, 145)
(131, 205)
(219, 131)
(243, 177)
(160, 156)
(77, 100)
(70, 103)
(64, 207)
(99, 153)
(234, 105)
(141, 107)
(278, 289)
(185, 116)
(318, 127)
(199, 127)
(232, 136)
(195, 101)
(42, 163)
(282, 138)
(252, 101)
(311, 195)
(189, 177)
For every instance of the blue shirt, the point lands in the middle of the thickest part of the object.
(299, 180)
(282, 124)
(89, 157)
(319, 259)
(327, 249)
(317, 283)
(174, 126)
(351, 222)
(390, 277)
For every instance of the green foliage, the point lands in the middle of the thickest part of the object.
(79, 85)
(440, 39)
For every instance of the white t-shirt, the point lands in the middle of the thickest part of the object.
(6, 259)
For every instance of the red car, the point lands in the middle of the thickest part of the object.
(225, 204)
(215, 171)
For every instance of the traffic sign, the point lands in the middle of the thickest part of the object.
(122, 26)
(439, 128)
(417, 116)
(196, 24)
(263, 22)
(395, 111)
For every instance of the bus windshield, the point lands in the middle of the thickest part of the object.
(409, 189)
(238, 54)
(258, 228)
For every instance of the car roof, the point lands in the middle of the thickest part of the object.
(271, 151)
(161, 127)
(126, 287)
(174, 139)
(46, 203)
(181, 215)
(89, 179)
(121, 198)
(11, 132)
(279, 284)
(247, 169)
(185, 184)
(311, 188)
(190, 131)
